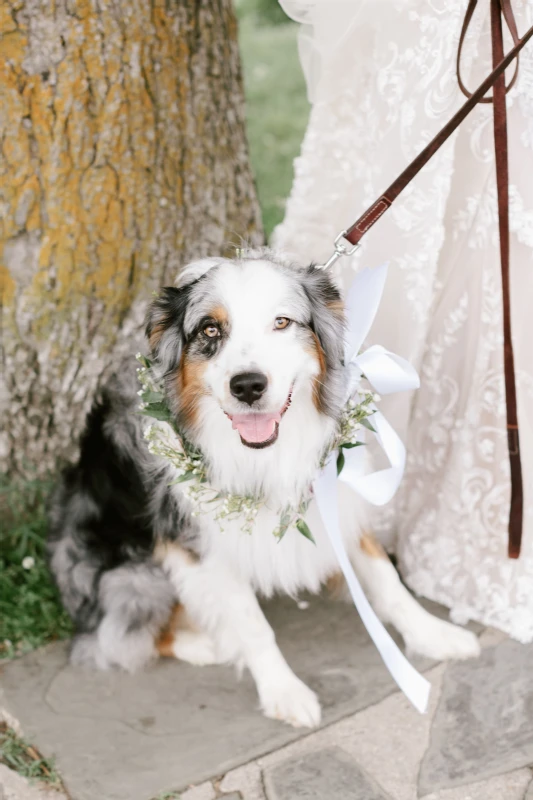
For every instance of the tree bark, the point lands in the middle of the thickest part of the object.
(123, 156)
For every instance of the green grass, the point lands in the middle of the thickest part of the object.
(30, 610)
(266, 12)
(19, 755)
(277, 110)
(276, 101)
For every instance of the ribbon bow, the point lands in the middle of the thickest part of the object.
(387, 373)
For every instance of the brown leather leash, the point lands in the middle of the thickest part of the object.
(354, 234)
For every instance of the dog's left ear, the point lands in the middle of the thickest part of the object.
(165, 326)
(328, 325)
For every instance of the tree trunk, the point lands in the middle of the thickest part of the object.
(123, 156)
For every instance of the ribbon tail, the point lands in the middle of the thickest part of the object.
(415, 687)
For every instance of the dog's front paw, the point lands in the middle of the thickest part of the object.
(291, 701)
(441, 640)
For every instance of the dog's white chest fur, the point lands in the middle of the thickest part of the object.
(289, 565)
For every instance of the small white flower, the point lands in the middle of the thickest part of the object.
(28, 562)
(377, 398)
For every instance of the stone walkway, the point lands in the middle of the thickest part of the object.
(197, 731)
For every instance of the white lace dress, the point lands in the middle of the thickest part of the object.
(381, 78)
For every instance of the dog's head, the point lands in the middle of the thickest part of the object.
(247, 343)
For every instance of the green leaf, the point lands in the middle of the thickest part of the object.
(340, 462)
(349, 445)
(159, 406)
(152, 397)
(367, 425)
(144, 361)
(282, 530)
(304, 505)
(157, 411)
(160, 416)
(216, 497)
(304, 530)
(187, 476)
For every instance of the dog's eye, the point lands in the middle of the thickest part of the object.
(211, 331)
(281, 323)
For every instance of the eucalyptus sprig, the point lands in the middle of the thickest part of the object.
(355, 415)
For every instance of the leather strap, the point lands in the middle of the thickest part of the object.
(355, 233)
(502, 183)
(507, 11)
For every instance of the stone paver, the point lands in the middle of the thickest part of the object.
(374, 754)
(389, 733)
(204, 792)
(387, 741)
(484, 722)
(14, 787)
(320, 775)
(126, 737)
(504, 787)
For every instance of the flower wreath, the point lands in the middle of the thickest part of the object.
(166, 440)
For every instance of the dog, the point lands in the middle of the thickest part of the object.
(251, 352)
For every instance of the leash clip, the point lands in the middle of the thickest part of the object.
(340, 251)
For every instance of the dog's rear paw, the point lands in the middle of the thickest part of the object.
(195, 647)
(291, 701)
(441, 641)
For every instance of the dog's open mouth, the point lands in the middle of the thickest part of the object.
(258, 430)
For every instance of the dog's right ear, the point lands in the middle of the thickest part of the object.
(165, 321)
(165, 326)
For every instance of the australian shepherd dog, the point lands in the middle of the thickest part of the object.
(251, 350)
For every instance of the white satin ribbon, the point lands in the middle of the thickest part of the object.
(415, 687)
(378, 487)
(387, 373)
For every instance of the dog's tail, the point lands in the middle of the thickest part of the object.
(118, 608)
(118, 612)
(136, 601)
(101, 540)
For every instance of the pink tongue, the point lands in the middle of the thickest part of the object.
(255, 427)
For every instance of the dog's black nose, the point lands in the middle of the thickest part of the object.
(248, 386)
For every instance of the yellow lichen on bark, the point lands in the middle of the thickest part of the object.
(123, 156)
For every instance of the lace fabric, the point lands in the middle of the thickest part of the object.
(381, 76)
